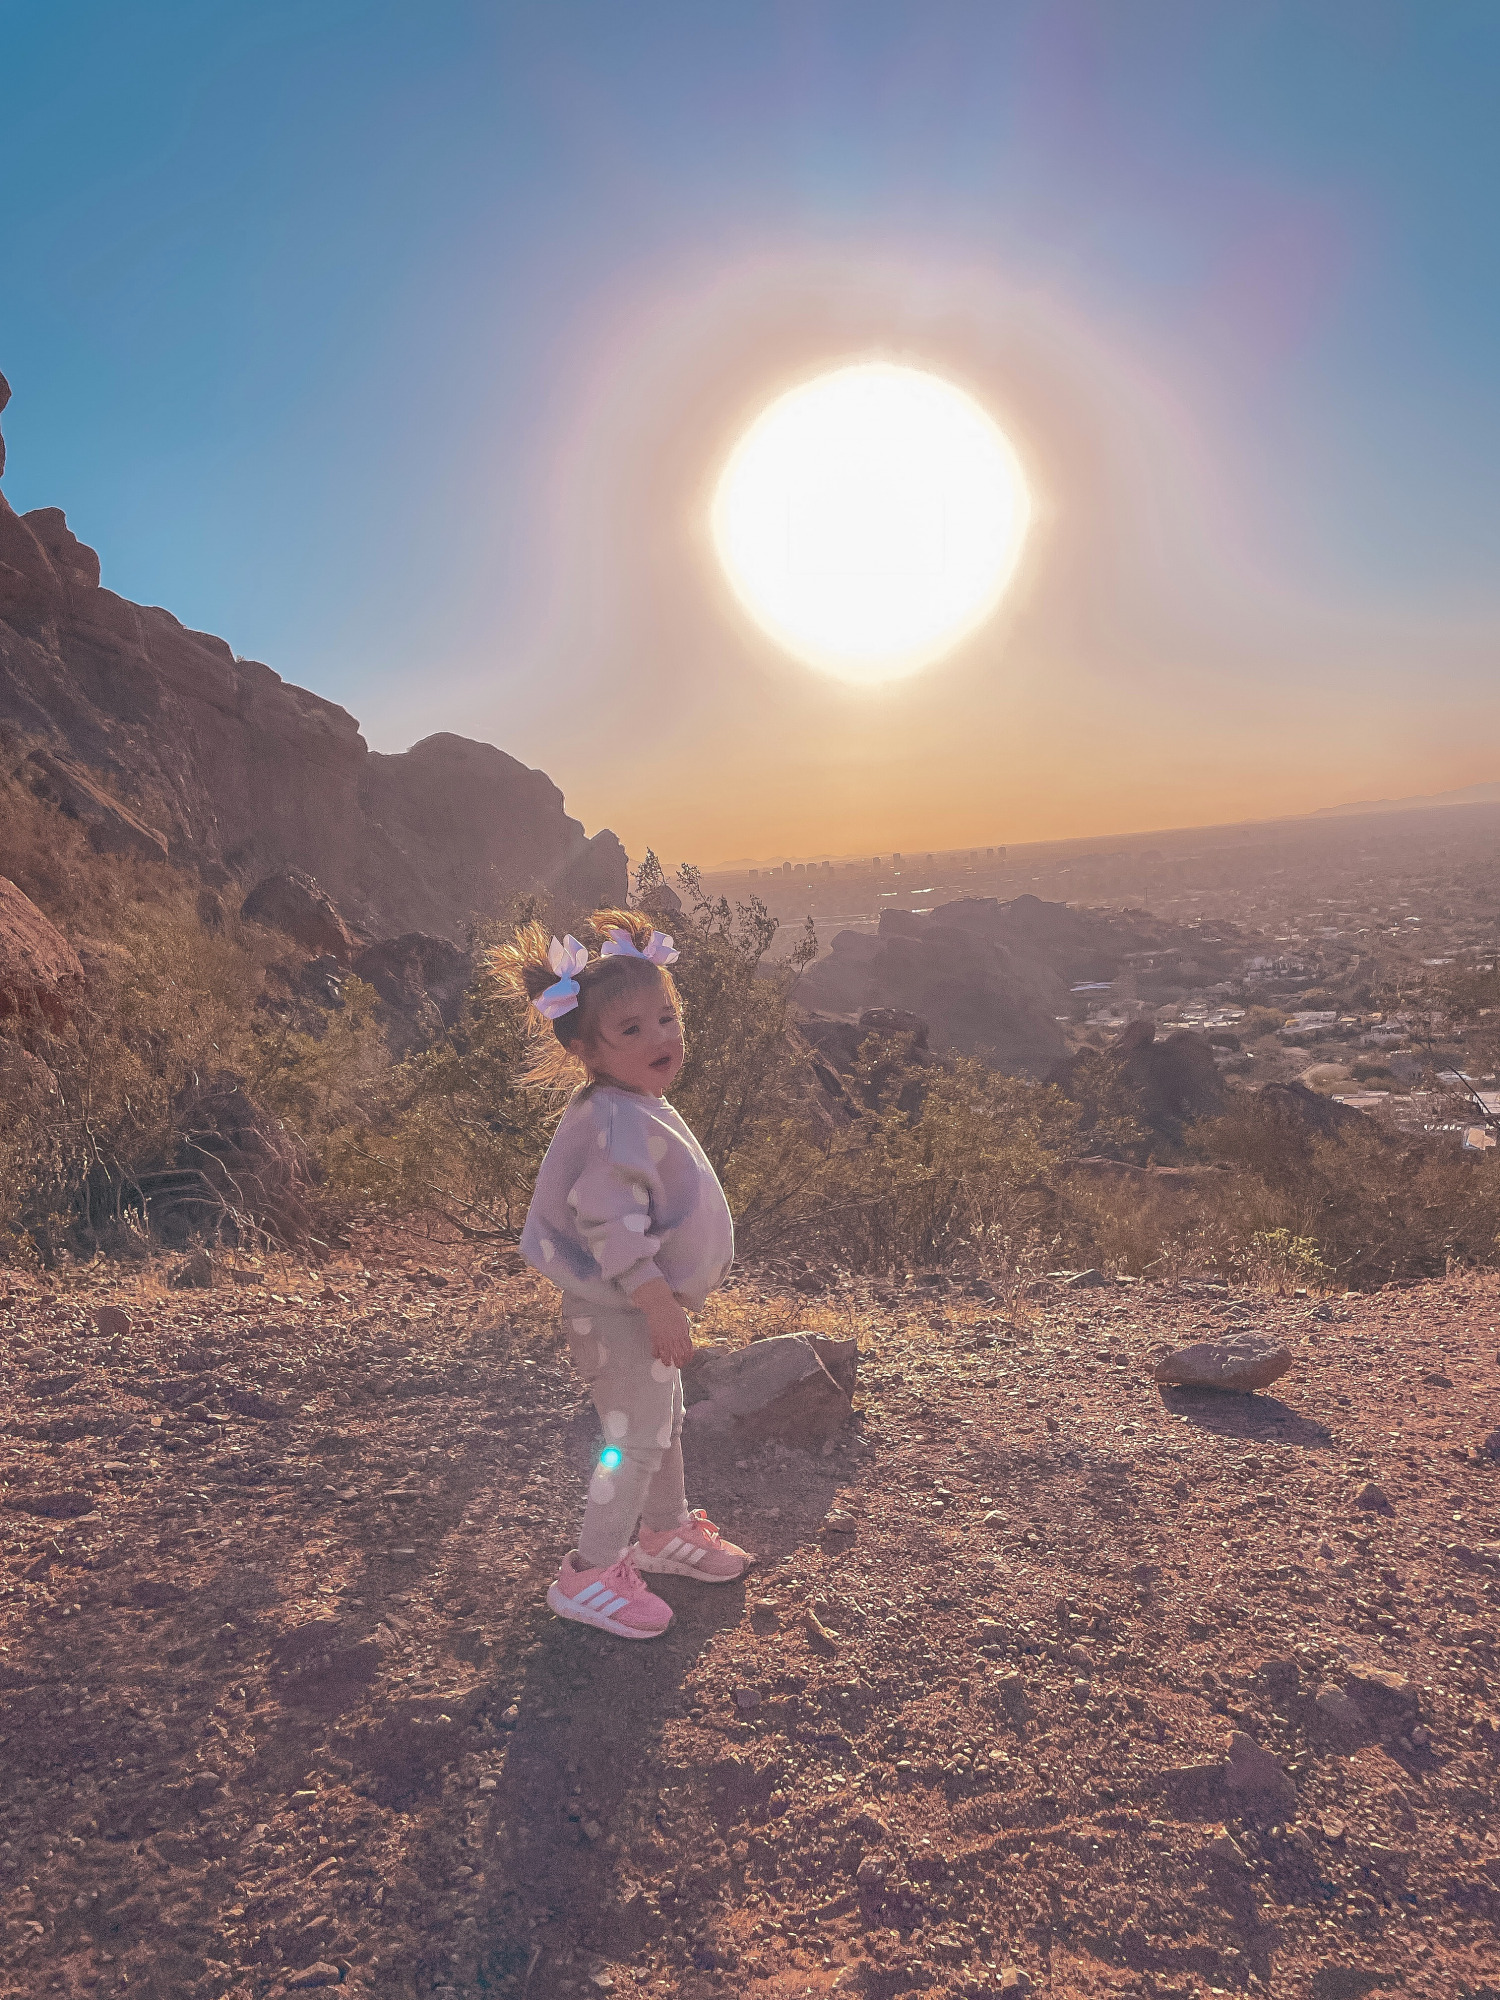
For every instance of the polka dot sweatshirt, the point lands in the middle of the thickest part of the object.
(626, 1194)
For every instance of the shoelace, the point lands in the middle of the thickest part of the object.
(623, 1575)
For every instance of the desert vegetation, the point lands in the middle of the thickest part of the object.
(205, 1083)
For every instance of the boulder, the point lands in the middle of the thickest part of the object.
(798, 1387)
(111, 827)
(1387, 1699)
(293, 903)
(41, 978)
(1243, 1362)
(421, 982)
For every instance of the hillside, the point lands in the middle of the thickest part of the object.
(162, 741)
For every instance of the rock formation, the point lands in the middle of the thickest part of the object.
(977, 995)
(41, 976)
(161, 741)
(295, 905)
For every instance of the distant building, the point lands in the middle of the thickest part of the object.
(1309, 1022)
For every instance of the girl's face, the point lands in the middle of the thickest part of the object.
(637, 1041)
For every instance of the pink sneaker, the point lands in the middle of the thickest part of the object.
(693, 1548)
(613, 1598)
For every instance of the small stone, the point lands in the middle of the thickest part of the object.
(321, 1974)
(511, 1717)
(592, 1829)
(1373, 1497)
(821, 1635)
(113, 1322)
(1226, 1849)
(994, 1518)
(746, 1699)
(1335, 1707)
(1080, 1656)
(1014, 1981)
(1491, 1446)
(1252, 1769)
(1012, 1692)
(1243, 1363)
(870, 1874)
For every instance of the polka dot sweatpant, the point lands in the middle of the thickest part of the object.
(639, 1400)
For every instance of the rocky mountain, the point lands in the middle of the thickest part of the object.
(162, 741)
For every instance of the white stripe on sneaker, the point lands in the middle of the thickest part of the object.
(674, 1546)
(615, 1604)
(696, 1555)
(590, 1593)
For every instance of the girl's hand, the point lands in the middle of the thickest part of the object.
(667, 1323)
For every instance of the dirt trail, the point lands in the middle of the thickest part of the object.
(281, 1707)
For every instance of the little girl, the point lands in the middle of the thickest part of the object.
(630, 1222)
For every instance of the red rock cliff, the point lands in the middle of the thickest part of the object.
(242, 774)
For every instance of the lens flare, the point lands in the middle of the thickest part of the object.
(609, 1459)
(871, 519)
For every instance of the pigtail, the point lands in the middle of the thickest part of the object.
(523, 971)
(636, 925)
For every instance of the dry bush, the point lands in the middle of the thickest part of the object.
(968, 1173)
(454, 1131)
(1357, 1208)
(105, 1115)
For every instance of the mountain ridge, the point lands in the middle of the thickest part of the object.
(161, 739)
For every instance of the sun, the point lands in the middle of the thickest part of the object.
(870, 519)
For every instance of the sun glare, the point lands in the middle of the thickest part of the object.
(870, 520)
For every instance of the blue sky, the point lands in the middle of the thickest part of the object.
(327, 324)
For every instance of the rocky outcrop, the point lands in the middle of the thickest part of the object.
(421, 982)
(977, 995)
(1166, 1084)
(293, 904)
(111, 827)
(41, 977)
(156, 735)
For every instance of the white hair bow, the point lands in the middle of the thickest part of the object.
(566, 959)
(618, 944)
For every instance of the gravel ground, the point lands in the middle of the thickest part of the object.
(1046, 1680)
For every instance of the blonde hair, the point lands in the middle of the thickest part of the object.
(523, 971)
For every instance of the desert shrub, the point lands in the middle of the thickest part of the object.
(454, 1131)
(1109, 1108)
(968, 1172)
(1276, 1260)
(103, 1114)
(744, 1063)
